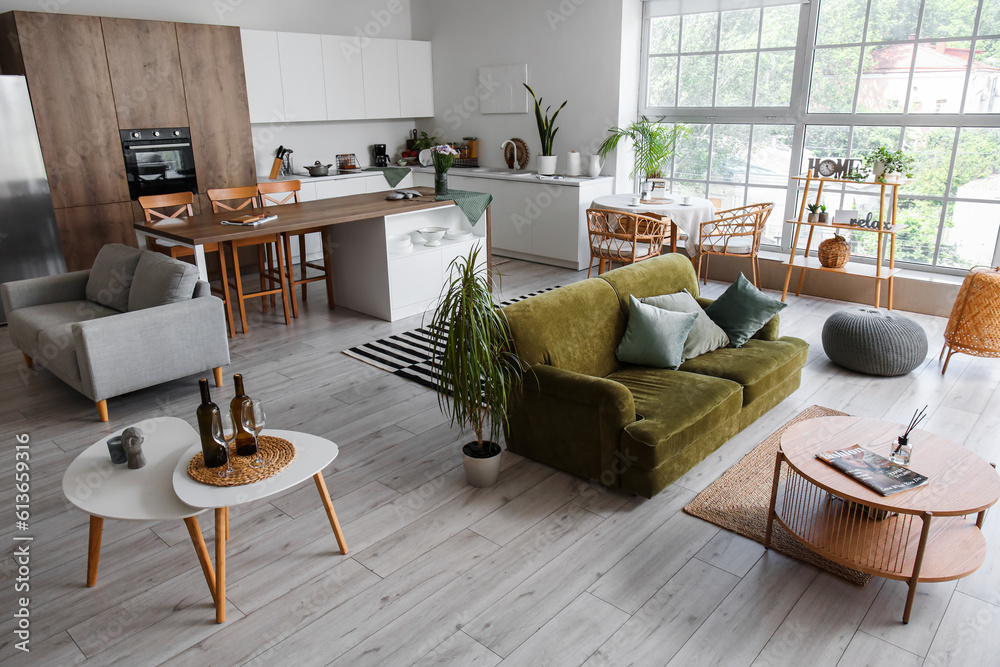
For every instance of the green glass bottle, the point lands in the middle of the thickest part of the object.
(246, 443)
(213, 447)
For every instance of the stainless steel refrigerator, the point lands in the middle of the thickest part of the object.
(29, 238)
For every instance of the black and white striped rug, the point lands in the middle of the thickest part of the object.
(408, 354)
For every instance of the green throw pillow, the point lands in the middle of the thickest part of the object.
(705, 336)
(742, 310)
(654, 336)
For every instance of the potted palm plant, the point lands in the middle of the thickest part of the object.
(546, 133)
(653, 142)
(477, 368)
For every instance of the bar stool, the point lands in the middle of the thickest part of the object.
(291, 191)
(238, 199)
(181, 203)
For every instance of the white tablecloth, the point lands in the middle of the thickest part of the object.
(686, 217)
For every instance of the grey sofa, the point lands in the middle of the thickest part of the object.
(136, 319)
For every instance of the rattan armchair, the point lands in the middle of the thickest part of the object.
(625, 238)
(734, 233)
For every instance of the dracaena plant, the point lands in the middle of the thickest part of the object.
(653, 141)
(546, 125)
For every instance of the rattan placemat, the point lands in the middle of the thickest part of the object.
(276, 452)
(659, 201)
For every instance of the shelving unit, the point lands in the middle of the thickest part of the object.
(878, 272)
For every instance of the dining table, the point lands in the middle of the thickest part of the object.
(687, 217)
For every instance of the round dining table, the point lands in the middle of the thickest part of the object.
(687, 217)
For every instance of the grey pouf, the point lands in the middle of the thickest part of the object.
(874, 341)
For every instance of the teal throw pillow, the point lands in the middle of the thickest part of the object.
(705, 335)
(654, 336)
(742, 310)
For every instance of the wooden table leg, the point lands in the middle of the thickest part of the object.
(220, 564)
(774, 498)
(227, 523)
(915, 577)
(327, 266)
(194, 530)
(328, 504)
(94, 548)
(673, 236)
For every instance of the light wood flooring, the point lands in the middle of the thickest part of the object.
(541, 569)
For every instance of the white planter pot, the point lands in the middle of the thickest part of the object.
(878, 168)
(481, 472)
(547, 164)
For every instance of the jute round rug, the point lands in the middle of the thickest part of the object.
(739, 500)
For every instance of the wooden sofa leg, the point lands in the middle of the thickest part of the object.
(102, 410)
(218, 375)
(28, 361)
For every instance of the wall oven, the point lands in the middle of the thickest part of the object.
(159, 161)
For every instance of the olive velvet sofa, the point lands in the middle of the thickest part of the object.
(625, 426)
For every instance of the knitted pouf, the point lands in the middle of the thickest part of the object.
(874, 341)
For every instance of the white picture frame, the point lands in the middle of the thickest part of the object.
(501, 89)
(844, 216)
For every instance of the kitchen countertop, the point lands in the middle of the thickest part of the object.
(522, 176)
(306, 178)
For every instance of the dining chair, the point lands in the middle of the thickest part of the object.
(272, 279)
(270, 195)
(178, 204)
(625, 238)
(734, 233)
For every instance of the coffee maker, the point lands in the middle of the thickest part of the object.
(380, 157)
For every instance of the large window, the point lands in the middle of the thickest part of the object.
(766, 88)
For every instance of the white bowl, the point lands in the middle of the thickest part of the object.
(432, 235)
(458, 235)
(399, 244)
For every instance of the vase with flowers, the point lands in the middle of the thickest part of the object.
(442, 155)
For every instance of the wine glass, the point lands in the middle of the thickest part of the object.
(224, 429)
(253, 420)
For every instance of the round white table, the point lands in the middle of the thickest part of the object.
(312, 454)
(684, 216)
(108, 491)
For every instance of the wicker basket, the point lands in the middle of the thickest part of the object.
(974, 325)
(834, 253)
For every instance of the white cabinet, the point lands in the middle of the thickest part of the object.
(378, 183)
(344, 78)
(416, 79)
(554, 228)
(341, 187)
(263, 75)
(510, 219)
(381, 72)
(300, 57)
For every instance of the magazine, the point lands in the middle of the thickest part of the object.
(250, 220)
(876, 472)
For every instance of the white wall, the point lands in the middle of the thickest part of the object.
(573, 49)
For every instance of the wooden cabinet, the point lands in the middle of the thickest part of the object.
(263, 76)
(343, 78)
(145, 73)
(84, 230)
(216, 92)
(416, 87)
(381, 72)
(300, 57)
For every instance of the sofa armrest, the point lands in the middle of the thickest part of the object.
(44, 289)
(767, 332)
(138, 349)
(571, 421)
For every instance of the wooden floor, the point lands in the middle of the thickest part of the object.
(542, 569)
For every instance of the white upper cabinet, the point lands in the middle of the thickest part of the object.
(416, 89)
(263, 74)
(344, 78)
(301, 59)
(381, 71)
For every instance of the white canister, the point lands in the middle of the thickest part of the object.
(572, 163)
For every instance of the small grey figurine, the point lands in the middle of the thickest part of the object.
(132, 442)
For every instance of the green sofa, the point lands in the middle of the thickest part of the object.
(633, 427)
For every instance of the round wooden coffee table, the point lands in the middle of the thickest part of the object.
(889, 536)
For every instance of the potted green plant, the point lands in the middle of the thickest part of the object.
(654, 143)
(477, 368)
(546, 133)
(882, 162)
(822, 213)
(813, 212)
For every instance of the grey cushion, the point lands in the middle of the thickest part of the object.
(160, 280)
(112, 275)
(705, 336)
(742, 310)
(654, 337)
(26, 324)
(874, 341)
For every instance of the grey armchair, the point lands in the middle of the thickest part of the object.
(136, 319)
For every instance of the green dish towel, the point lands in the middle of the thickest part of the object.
(473, 204)
(393, 175)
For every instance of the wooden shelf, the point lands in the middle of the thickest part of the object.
(833, 225)
(851, 268)
(848, 181)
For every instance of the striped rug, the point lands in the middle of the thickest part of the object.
(408, 354)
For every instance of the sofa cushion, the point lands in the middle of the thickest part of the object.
(27, 323)
(677, 409)
(742, 310)
(705, 335)
(665, 274)
(161, 280)
(758, 366)
(112, 275)
(654, 336)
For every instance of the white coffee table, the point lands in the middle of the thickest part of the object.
(312, 454)
(684, 216)
(108, 491)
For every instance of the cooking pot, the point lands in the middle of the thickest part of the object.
(318, 169)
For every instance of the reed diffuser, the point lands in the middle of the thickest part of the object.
(902, 449)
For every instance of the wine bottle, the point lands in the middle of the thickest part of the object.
(212, 446)
(246, 443)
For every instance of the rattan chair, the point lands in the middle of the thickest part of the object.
(625, 238)
(974, 325)
(734, 233)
